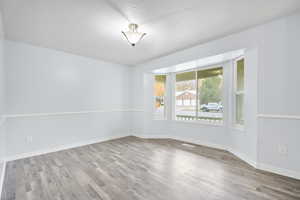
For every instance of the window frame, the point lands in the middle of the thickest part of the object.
(196, 69)
(236, 93)
(166, 96)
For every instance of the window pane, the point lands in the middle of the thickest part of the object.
(210, 85)
(239, 109)
(159, 95)
(185, 108)
(240, 75)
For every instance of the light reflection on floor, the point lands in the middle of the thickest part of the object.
(180, 164)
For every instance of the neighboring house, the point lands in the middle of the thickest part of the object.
(186, 98)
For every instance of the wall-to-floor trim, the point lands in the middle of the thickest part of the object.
(61, 148)
(255, 164)
(238, 154)
(280, 171)
(243, 157)
(184, 139)
(2, 173)
(2, 176)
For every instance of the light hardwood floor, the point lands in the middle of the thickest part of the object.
(132, 168)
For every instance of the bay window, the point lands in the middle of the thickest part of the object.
(195, 90)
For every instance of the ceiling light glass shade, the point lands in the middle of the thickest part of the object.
(132, 35)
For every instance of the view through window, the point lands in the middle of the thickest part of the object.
(186, 93)
(210, 86)
(239, 91)
(159, 95)
(199, 95)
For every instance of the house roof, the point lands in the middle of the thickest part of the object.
(186, 91)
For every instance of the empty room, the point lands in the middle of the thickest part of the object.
(149, 100)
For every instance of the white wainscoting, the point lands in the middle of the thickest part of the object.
(53, 115)
(39, 133)
(2, 120)
(279, 131)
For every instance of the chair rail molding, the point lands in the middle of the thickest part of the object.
(66, 113)
(278, 116)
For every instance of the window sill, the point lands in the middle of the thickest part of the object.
(199, 123)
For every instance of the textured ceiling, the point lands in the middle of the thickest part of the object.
(93, 28)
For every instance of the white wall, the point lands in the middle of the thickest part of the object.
(244, 142)
(279, 95)
(41, 80)
(2, 102)
(49, 82)
(272, 79)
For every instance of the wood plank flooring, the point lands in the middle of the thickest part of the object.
(132, 168)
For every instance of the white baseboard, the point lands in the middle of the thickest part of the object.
(2, 175)
(61, 148)
(185, 139)
(280, 171)
(242, 156)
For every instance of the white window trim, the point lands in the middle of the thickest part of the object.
(170, 99)
(236, 125)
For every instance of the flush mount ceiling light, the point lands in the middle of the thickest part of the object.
(132, 35)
